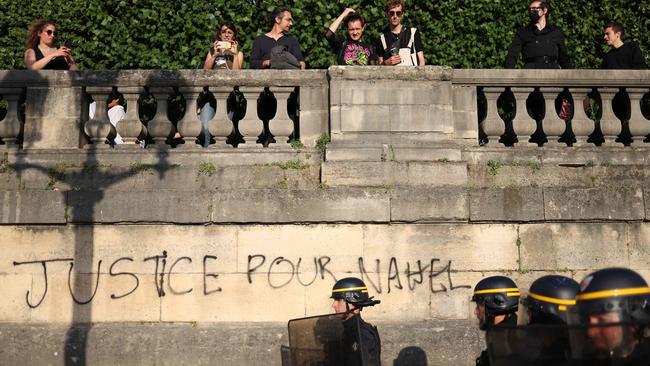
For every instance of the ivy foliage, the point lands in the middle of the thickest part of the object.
(164, 34)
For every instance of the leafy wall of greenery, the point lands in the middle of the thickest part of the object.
(165, 34)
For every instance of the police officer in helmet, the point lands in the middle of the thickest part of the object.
(361, 342)
(615, 295)
(497, 300)
(549, 299)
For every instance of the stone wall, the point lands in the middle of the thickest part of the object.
(170, 256)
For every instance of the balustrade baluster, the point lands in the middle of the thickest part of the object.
(160, 127)
(493, 126)
(639, 125)
(190, 125)
(554, 126)
(221, 126)
(610, 125)
(98, 128)
(251, 126)
(582, 125)
(130, 127)
(281, 126)
(11, 125)
(522, 124)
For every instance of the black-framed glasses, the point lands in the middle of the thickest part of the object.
(395, 13)
(535, 9)
(51, 32)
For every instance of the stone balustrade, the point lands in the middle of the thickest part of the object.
(57, 103)
(604, 107)
(364, 109)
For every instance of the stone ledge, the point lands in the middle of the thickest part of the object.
(508, 204)
(288, 206)
(429, 205)
(32, 207)
(416, 174)
(609, 204)
(452, 343)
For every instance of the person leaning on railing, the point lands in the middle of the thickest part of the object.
(225, 55)
(349, 49)
(399, 45)
(42, 51)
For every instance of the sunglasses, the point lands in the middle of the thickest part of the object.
(51, 32)
(395, 13)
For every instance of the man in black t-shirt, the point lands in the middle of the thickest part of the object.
(261, 55)
(399, 45)
(349, 49)
(622, 55)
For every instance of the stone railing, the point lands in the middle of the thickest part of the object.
(525, 106)
(367, 110)
(57, 103)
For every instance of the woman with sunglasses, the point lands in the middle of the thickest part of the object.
(224, 53)
(41, 51)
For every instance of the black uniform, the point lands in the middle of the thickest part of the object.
(484, 359)
(368, 347)
(628, 56)
(541, 49)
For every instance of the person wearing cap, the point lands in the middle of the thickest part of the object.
(497, 301)
(615, 295)
(361, 342)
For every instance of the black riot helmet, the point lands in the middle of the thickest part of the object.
(618, 290)
(549, 299)
(353, 291)
(499, 294)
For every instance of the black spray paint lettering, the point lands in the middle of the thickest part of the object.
(74, 298)
(286, 270)
(115, 274)
(207, 275)
(161, 260)
(44, 264)
(414, 277)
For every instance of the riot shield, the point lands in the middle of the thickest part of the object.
(324, 340)
(608, 344)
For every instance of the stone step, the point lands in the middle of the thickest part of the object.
(387, 152)
(393, 174)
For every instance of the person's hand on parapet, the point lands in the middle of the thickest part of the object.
(393, 60)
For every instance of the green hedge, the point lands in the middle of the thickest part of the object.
(153, 34)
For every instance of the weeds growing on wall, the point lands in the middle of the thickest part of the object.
(162, 34)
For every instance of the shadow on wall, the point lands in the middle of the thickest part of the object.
(82, 205)
(411, 356)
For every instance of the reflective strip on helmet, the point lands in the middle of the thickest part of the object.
(496, 290)
(511, 294)
(613, 293)
(362, 289)
(551, 300)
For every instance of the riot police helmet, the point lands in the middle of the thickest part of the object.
(499, 294)
(354, 291)
(614, 290)
(549, 299)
